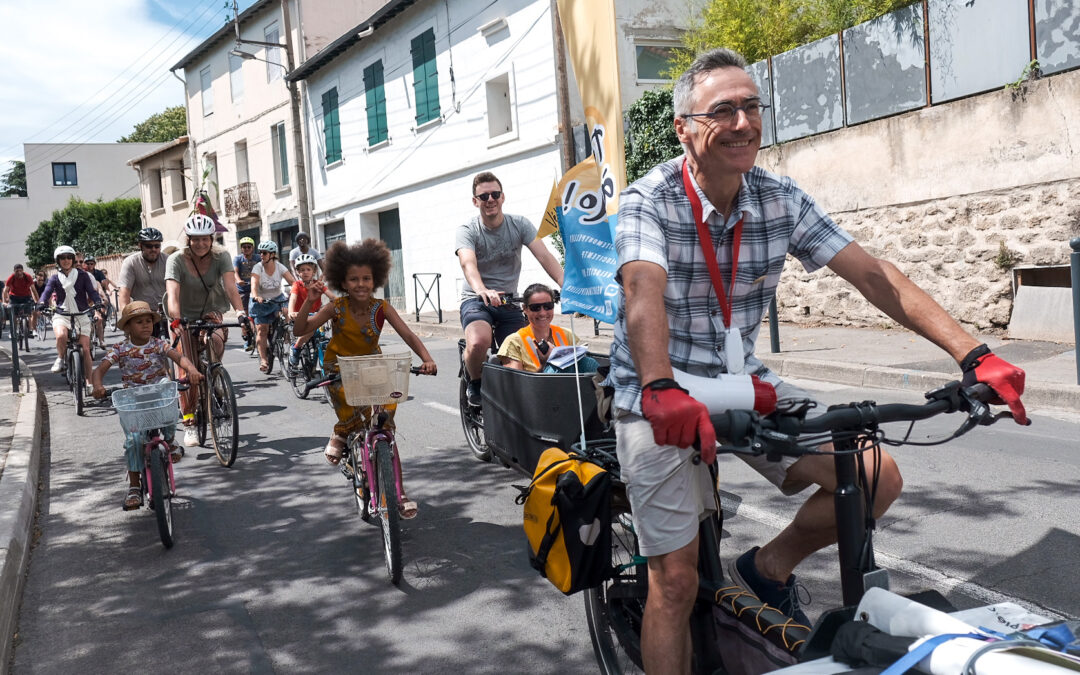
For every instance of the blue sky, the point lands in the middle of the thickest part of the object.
(104, 67)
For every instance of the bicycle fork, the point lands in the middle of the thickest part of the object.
(371, 438)
(148, 475)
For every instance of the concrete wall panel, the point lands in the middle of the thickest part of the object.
(759, 72)
(807, 91)
(1057, 35)
(885, 65)
(976, 46)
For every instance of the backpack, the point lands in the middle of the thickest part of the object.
(567, 519)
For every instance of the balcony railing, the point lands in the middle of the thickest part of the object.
(242, 202)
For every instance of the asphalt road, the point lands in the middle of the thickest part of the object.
(273, 572)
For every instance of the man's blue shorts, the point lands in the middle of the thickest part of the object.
(504, 319)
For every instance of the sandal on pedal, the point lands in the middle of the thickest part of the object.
(333, 450)
(176, 453)
(263, 367)
(134, 498)
(407, 509)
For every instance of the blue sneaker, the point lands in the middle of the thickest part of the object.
(784, 597)
(294, 357)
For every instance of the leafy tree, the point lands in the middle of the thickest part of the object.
(97, 227)
(650, 134)
(161, 127)
(13, 183)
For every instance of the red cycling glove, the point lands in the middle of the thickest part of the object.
(175, 325)
(677, 418)
(1007, 381)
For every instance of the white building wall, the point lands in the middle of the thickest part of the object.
(427, 173)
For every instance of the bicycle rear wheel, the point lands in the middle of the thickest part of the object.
(271, 347)
(389, 518)
(201, 415)
(24, 333)
(281, 351)
(75, 380)
(472, 423)
(301, 374)
(221, 409)
(614, 610)
(160, 498)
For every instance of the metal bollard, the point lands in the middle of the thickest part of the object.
(774, 328)
(418, 286)
(1075, 264)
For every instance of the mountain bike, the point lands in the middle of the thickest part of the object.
(309, 364)
(75, 373)
(614, 609)
(215, 405)
(370, 460)
(144, 411)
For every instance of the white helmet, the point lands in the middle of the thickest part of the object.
(305, 259)
(63, 250)
(268, 246)
(199, 225)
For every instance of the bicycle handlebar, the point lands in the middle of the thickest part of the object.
(327, 380)
(778, 434)
(61, 312)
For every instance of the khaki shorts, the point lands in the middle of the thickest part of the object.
(668, 493)
(59, 321)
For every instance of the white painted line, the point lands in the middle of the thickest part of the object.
(939, 579)
(442, 407)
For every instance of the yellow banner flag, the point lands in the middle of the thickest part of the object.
(550, 222)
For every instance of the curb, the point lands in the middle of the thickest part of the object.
(18, 503)
(1036, 394)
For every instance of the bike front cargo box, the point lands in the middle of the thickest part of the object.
(527, 413)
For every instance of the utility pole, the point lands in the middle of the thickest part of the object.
(562, 90)
(294, 105)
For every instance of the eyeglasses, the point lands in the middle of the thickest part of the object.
(537, 306)
(66, 256)
(151, 246)
(266, 252)
(483, 196)
(725, 114)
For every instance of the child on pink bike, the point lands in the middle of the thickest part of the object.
(143, 359)
(358, 316)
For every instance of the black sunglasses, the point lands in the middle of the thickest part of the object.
(145, 245)
(537, 306)
(483, 196)
(65, 256)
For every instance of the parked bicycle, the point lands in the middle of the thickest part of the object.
(309, 364)
(144, 411)
(614, 610)
(75, 369)
(370, 460)
(215, 405)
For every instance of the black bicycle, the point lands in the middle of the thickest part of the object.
(615, 609)
(278, 342)
(309, 365)
(20, 324)
(215, 405)
(75, 369)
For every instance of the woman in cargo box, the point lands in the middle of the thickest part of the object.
(529, 348)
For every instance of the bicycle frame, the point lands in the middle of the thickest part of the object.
(150, 440)
(378, 432)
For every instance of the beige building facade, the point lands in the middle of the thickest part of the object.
(166, 183)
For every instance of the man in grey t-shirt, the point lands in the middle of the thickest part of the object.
(303, 245)
(142, 274)
(489, 250)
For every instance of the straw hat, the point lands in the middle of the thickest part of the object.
(133, 309)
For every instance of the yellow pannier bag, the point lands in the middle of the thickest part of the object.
(567, 519)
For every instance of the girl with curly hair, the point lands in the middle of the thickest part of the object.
(355, 272)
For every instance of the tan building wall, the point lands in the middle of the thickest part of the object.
(938, 191)
(166, 182)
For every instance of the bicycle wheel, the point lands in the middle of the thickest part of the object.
(24, 333)
(614, 610)
(75, 380)
(42, 329)
(359, 483)
(281, 351)
(201, 414)
(472, 423)
(221, 409)
(160, 499)
(301, 374)
(389, 519)
(271, 347)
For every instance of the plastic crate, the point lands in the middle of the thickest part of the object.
(378, 379)
(150, 406)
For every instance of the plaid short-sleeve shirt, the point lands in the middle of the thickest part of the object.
(656, 224)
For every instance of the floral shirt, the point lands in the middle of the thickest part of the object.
(140, 364)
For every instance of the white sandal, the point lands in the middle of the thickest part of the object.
(332, 452)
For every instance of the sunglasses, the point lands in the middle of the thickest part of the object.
(151, 246)
(537, 306)
(483, 196)
(266, 252)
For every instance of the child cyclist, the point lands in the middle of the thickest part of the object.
(306, 265)
(358, 316)
(143, 359)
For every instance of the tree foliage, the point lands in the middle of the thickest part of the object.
(13, 183)
(650, 133)
(758, 29)
(97, 227)
(161, 127)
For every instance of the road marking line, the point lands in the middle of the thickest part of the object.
(442, 407)
(939, 579)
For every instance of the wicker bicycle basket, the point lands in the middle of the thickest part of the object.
(150, 406)
(378, 379)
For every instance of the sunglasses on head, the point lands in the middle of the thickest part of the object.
(537, 306)
(483, 196)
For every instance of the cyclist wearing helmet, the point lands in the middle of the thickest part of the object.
(142, 274)
(200, 283)
(243, 264)
(266, 296)
(74, 291)
(306, 266)
(303, 247)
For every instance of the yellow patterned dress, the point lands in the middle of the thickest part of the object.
(353, 338)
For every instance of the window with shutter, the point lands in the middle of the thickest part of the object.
(425, 77)
(376, 103)
(331, 126)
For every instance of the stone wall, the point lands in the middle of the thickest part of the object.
(937, 191)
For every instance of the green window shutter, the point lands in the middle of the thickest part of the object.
(375, 94)
(283, 151)
(331, 126)
(425, 76)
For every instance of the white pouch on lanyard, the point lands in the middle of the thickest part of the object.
(733, 351)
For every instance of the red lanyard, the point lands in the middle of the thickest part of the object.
(705, 239)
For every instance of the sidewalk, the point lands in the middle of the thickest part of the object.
(882, 358)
